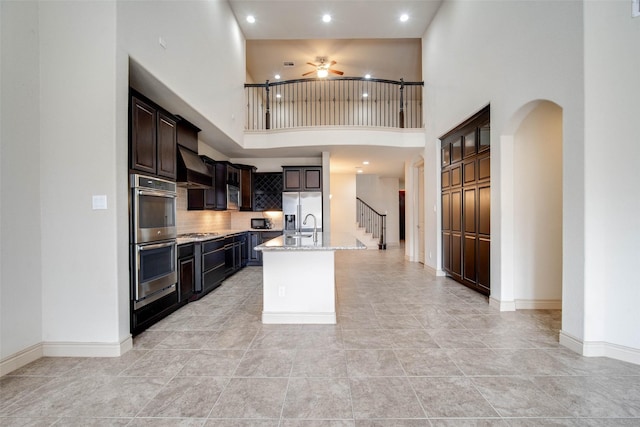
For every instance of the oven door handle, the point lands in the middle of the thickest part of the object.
(155, 246)
(156, 193)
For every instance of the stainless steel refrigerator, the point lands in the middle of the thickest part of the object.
(297, 205)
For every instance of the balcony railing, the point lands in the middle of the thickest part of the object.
(343, 101)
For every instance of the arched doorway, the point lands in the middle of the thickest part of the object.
(536, 206)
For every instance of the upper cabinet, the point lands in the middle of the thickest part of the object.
(267, 191)
(302, 178)
(153, 138)
(246, 187)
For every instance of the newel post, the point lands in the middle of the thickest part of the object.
(401, 117)
(267, 117)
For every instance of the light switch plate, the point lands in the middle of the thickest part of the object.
(635, 8)
(99, 202)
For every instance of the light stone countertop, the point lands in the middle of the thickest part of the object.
(220, 234)
(326, 242)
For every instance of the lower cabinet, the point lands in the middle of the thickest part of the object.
(212, 266)
(186, 272)
(234, 246)
(256, 238)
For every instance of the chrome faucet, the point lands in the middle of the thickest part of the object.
(315, 226)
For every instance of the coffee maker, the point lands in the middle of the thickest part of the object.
(289, 222)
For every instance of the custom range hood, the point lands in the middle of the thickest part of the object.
(192, 171)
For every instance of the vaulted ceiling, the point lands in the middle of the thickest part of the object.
(363, 37)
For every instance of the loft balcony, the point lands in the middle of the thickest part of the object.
(343, 102)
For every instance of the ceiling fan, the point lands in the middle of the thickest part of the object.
(323, 68)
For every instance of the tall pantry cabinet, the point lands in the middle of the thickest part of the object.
(466, 202)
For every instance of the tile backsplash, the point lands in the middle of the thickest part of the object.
(199, 221)
(211, 221)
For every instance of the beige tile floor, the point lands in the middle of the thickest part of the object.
(409, 349)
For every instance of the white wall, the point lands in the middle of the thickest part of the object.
(583, 57)
(538, 209)
(204, 59)
(382, 194)
(507, 54)
(69, 294)
(20, 247)
(78, 159)
(343, 203)
(612, 156)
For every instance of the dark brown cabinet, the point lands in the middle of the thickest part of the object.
(302, 178)
(466, 198)
(167, 144)
(267, 191)
(246, 187)
(256, 238)
(153, 138)
(186, 272)
(201, 199)
(235, 253)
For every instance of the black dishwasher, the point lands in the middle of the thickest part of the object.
(212, 265)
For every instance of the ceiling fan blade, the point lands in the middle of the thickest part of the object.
(310, 72)
(332, 63)
(336, 72)
(312, 64)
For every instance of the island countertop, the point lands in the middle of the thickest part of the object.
(326, 242)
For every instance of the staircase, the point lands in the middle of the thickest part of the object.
(373, 224)
(366, 238)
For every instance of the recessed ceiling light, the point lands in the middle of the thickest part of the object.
(364, 95)
(367, 76)
(404, 17)
(251, 19)
(326, 18)
(277, 76)
(359, 171)
(278, 95)
(366, 162)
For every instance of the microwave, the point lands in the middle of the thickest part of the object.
(260, 223)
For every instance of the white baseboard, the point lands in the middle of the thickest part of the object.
(435, 271)
(293, 318)
(600, 349)
(538, 304)
(83, 349)
(502, 305)
(63, 349)
(20, 359)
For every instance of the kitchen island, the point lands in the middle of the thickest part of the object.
(298, 277)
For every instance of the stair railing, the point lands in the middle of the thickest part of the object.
(373, 222)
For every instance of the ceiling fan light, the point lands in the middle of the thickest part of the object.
(322, 73)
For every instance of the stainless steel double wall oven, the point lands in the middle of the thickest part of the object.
(153, 239)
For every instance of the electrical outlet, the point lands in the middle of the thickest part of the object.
(281, 291)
